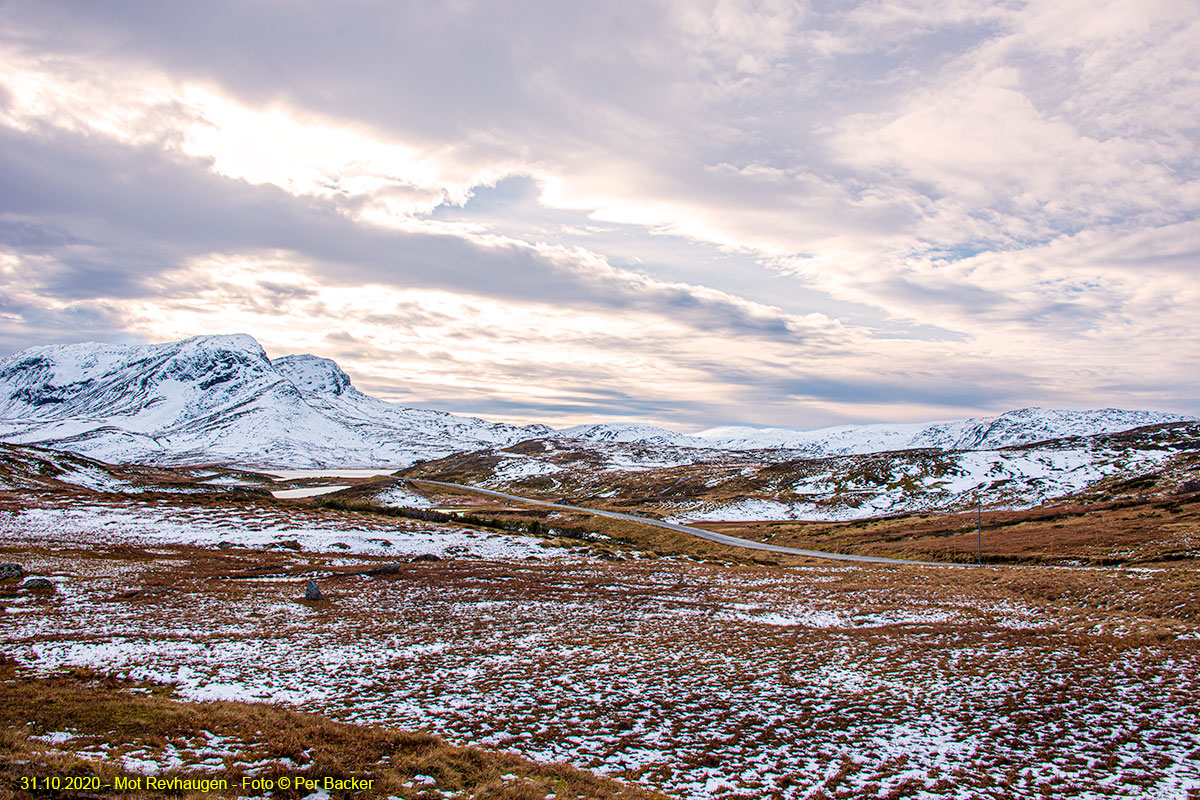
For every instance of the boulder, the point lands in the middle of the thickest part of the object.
(312, 591)
(11, 571)
(38, 585)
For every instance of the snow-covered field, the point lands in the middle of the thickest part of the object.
(706, 682)
(157, 524)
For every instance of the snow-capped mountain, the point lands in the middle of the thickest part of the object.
(629, 433)
(1012, 428)
(219, 399)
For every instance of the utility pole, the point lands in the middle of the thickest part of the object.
(979, 529)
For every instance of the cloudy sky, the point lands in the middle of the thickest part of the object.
(686, 213)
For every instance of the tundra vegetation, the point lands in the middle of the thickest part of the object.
(468, 652)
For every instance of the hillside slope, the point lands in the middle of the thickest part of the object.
(775, 484)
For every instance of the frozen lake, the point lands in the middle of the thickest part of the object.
(284, 494)
(294, 474)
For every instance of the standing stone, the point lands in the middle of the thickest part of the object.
(312, 592)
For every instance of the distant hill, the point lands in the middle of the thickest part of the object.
(1023, 426)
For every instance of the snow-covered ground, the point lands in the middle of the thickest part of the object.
(1020, 478)
(698, 485)
(400, 497)
(151, 524)
(312, 491)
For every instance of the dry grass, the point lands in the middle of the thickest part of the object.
(1134, 530)
(119, 717)
(614, 539)
(1151, 531)
(1147, 519)
(1161, 530)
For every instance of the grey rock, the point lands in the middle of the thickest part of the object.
(38, 585)
(312, 591)
(426, 557)
(11, 571)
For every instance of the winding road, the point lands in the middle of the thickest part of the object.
(721, 538)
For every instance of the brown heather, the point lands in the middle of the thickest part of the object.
(117, 715)
(1029, 677)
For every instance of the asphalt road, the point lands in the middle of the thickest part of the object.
(700, 532)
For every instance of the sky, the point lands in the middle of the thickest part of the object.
(681, 213)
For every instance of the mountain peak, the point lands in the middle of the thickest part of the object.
(311, 373)
(229, 342)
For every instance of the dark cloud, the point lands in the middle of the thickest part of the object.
(927, 390)
(937, 384)
(143, 212)
(32, 237)
(435, 71)
(25, 325)
(599, 408)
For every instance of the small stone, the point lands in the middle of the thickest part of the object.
(426, 557)
(312, 591)
(11, 571)
(38, 585)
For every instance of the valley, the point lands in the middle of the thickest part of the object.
(665, 662)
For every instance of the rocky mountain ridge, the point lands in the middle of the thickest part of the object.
(220, 399)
